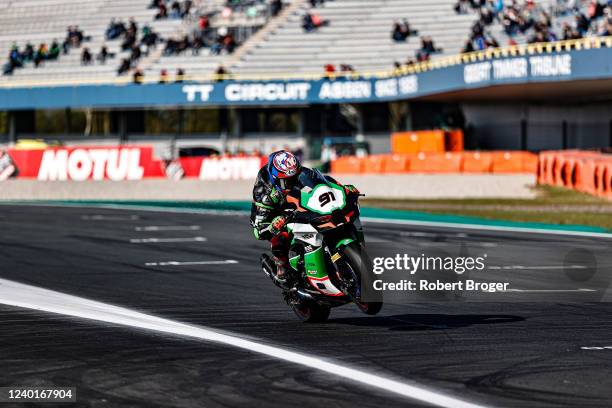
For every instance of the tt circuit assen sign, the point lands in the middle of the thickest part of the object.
(119, 163)
(585, 64)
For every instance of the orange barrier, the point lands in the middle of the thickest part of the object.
(396, 163)
(477, 162)
(347, 165)
(514, 162)
(404, 142)
(373, 164)
(436, 163)
(454, 140)
(607, 180)
(585, 171)
(431, 141)
(418, 141)
(443, 162)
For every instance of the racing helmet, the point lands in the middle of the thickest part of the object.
(283, 169)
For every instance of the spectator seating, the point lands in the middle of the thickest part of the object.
(359, 34)
(39, 21)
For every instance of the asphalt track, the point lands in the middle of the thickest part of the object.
(492, 354)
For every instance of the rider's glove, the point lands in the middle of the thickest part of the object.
(277, 224)
(349, 188)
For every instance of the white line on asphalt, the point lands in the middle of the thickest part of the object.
(169, 228)
(101, 217)
(31, 297)
(596, 347)
(432, 234)
(530, 267)
(179, 263)
(549, 290)
(164, 240)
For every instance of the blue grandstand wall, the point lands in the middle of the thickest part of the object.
(586, 64)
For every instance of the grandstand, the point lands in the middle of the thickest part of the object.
(359, 34)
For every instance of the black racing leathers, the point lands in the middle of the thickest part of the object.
(268, 203)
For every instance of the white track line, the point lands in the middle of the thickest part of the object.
(101, 217)
(179, 263)
(596, 347)
(31, 297)
(164, 240)
(169, 228)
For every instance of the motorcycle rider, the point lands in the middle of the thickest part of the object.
(268, 219)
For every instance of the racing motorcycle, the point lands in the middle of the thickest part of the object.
(330, 266)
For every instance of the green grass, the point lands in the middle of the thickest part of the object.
(552, 205)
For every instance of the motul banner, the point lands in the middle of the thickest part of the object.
(120, 163)
(222, 168)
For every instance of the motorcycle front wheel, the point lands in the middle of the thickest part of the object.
(359, 263)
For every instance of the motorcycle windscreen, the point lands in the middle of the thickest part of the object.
(319, 195)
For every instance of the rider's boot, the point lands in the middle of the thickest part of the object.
(282, 269)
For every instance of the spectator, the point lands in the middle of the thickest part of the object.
(103, 55)
(124, 66)
(346, 68)
(54, 51)
(468, 47)
(203, 23)
(163, 76)
(221, 73)
(427, 45)
(180, 75)
(275, 7)
(307, 23)
(129, 40)
(330, 70)
(595, 10)
(175, 10)
(86, 57)
(312, 21)
(40, 55)
(137, 77)
(186, 9)
(197, 44)
(462, 7)
(28, 53)
(582, 23)
(135, 54)
(162, 11)
(397, 68)
(115, 29)
(316, 3)
(401, 31)
(132, 25)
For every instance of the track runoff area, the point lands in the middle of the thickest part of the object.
(146, 308)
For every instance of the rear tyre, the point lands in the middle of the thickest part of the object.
(310, 312)
(359, 261)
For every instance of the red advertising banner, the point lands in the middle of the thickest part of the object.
(119, 163)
